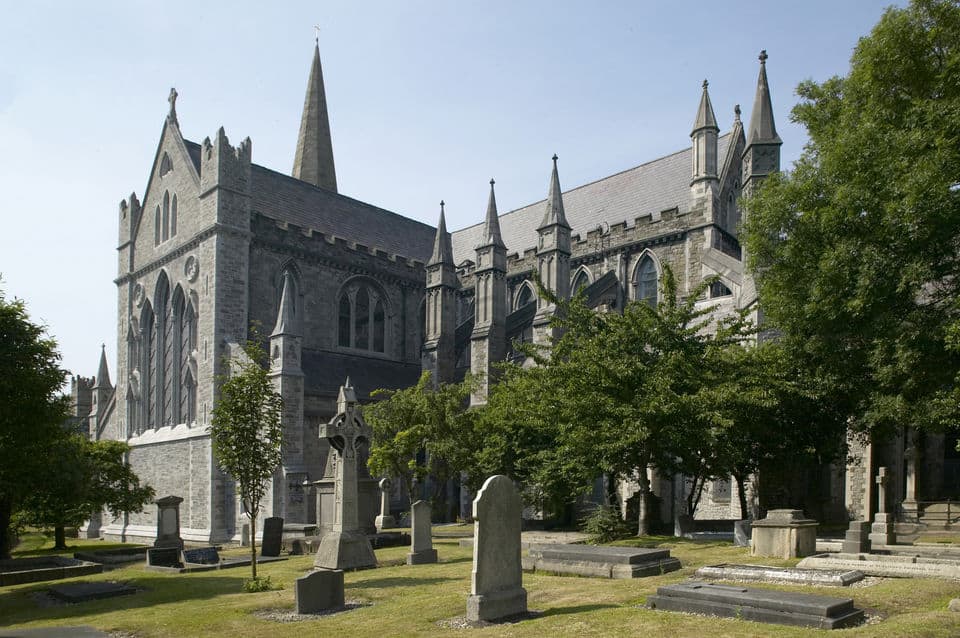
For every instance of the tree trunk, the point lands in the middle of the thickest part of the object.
(742, 494)
(643, 522)
(253, 542)
(59, 537)
(6, 534)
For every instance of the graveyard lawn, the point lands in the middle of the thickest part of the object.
(402, 600)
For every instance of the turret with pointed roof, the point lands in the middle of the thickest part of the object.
(553, 258)
(704, 137)
(488, 344)
(313, 162)
(762, 154)
(439, 356)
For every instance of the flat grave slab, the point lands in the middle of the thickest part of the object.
(201, 556)
(600, 562)
(887, 565)
(18, 571)
(766, 573)
(82, 592)
(77, 631)
(114, 556)
(762, 605)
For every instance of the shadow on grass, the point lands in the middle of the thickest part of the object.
(33, 603)
(451, 561)
(398, 581)
(576, 609)
(69, 551)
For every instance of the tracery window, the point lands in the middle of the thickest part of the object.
(645, 282)
(580, 282)
(362, 317)
(524, 297)
(165, 219)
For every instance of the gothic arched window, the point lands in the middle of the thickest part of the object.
(362, 312)
(580, 282)
(173, 216)
(524, 297)
(166, 217)
(188, 386)
(645, 282)
(156, 227)
(148, 354)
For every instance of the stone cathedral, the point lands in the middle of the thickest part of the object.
(336, 287)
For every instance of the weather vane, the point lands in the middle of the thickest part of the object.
(316, 35)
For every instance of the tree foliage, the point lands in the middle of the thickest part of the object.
(419, 432)
(32, 409)
(83, 477)
(856, 250)
(246, 432)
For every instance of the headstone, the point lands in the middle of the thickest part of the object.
(784, 534)
(163, 557)
(497, 581)
(202, 556)
(272, 536)
(345, 546)
(742, 532)
(857, 538)
(954, 605)
(320, 590)
(384, 520)
(881, 532)
(168, 522)
(761, 605)
(421, 543)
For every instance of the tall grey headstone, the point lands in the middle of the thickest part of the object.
(168, 522)
(319, 590)
(345, 546)
(497, 583)
(384, 520)
(272, 536)
(421, 540)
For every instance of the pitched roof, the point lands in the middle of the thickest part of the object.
(325, 372)
(648, 189)
(285, 198)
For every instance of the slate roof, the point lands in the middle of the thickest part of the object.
(326, 371)
(288, 199)
(648, 189)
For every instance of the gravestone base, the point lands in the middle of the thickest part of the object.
(497, 605)
(345, 550)
(320, 590)
(761, 605)
(881, 532)
(422, 557)
(857, 540)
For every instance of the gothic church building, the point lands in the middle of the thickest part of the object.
(217, 244)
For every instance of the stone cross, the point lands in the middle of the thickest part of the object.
(345, 546)
(882, 490)
(385, 520)
(497, 583)
(172, 116)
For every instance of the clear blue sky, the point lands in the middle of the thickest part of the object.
(427, 100)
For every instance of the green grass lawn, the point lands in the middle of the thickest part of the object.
(403, 600)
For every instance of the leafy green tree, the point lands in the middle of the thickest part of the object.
(246, 432)
(419, 432)
(83, 477)
(856, 249)
(32, 409)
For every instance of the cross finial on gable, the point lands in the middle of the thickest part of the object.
(763, 56)
(172, 115)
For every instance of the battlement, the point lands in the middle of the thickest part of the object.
(224, 165)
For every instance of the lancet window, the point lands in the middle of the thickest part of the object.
(645, 281)
(362, 317)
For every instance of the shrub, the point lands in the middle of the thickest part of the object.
(604, 524)
(259, 584)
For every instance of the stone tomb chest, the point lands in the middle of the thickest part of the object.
(784, 534)
(600, 562)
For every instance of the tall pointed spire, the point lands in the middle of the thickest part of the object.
(554, 212)
(491, 225)
(705, 116)
(442, 248)
(762, 127)
(286, 313)
(103, 373)
(314, 159)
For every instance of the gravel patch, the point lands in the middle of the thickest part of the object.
(284, 615)
(461, 622)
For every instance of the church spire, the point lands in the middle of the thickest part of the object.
(762, 129)
(491, 225)
(103, 373)
(286, 313)
(705, 116)
(442, 248)
(554, 214)
(313, 162)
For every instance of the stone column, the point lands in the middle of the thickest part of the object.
(910, 497)
(881, 533)
(385, 520)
